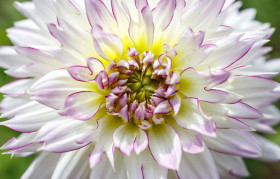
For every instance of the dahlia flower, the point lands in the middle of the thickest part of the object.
(139, 89)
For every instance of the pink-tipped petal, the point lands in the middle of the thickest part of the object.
(165, 146)
(95, 66)
(192, 117)
(163, 108)
(80, 73)
(175, 103)
(82, 105)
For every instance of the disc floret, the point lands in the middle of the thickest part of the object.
(141, 88)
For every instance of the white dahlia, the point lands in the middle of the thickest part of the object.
(139, 89)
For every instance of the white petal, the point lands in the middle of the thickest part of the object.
(192, 117)
(133, 166)
(129, 137)
(103, 138)
(124, 137)
(62, 135)
(104, 169)
(271, 151)
(201, 14)
(27, 32)
(109, 46)
(151, 169)
(223, 120)
(162, 20)
(199, 85)
(175, 103)
(192, 142)
(121, 17)
(42, 167)
(225, 56)
(234, 142)
(232, 164)
(141, 142)
(39, 56)
(165, 146)
(9, 58)
(142, 32)
(243, 111)
(199, 165)
(98, 14)
(95, 66)
(72, 164)
(52, 89)
(82, 105)
(18, 87)
(163, 108)
(30, 121)
(257, 91)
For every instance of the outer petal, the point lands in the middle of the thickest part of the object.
(121, 17)
(224, 56)
(220, 115)
(192, 117)
(22, 146)
(165, 146)
(52, 89)
(18, 87)
(202, 14)
(9, 58)
(82, 105)
(162, 20)
(234, 142)
(33, 120)
(109, 46)
(271, 151)
(104, 169)
(151, 169)
(98, 14)
(199, 85)
(257, 91)
(232, 164)
(142, 32)
(39, 56)
(42, 167)
(133, 166)
(62, 135)
(72, 164)
(199, 165)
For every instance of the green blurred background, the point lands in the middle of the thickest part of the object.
(268, 11)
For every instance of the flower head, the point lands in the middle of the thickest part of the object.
(139, 89)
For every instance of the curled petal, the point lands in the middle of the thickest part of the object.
(175, 103)
(95, 66)
(80, 73)
(162, 108)
(82, 105)
(102, 80)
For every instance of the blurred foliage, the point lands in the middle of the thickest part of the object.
(267, 11)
